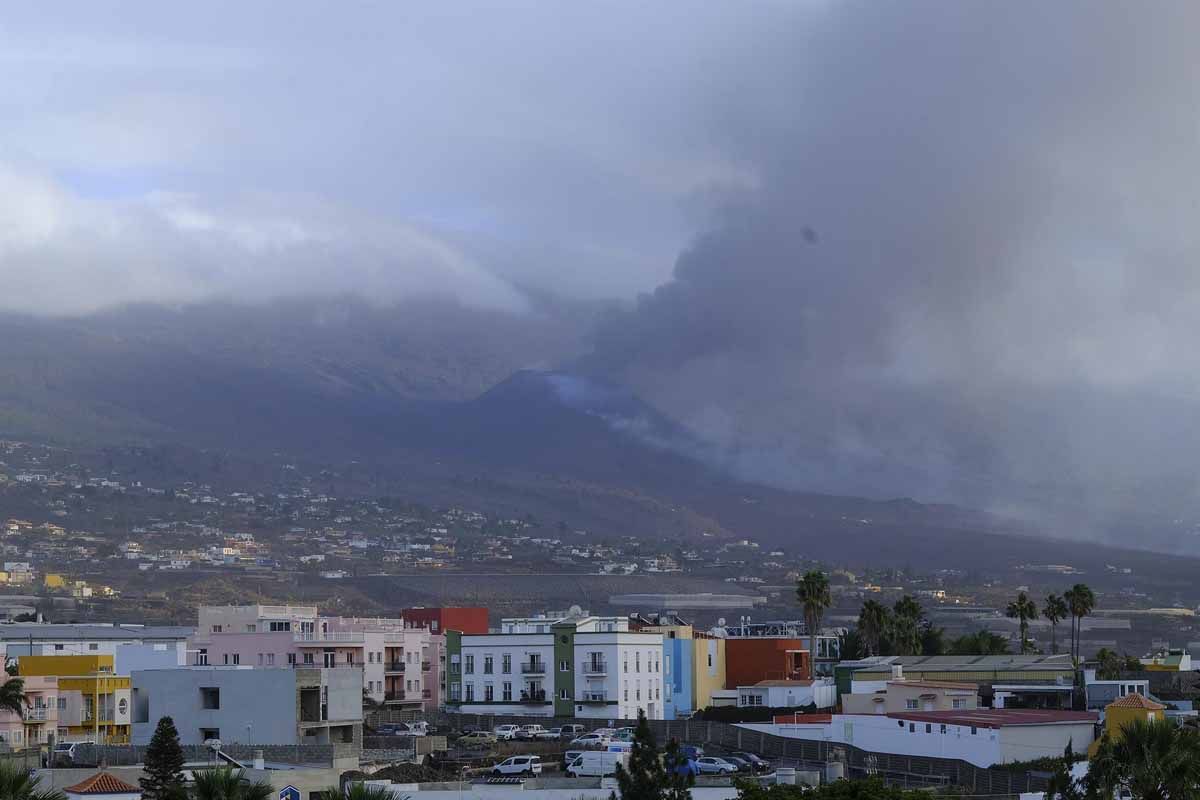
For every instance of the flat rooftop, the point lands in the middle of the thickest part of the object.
(997, 717)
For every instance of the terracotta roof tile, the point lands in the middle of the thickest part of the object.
(1135, 700)
(102, 783)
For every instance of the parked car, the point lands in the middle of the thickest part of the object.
(760, 764)
(519, 765)
(711, 765)
(529, 732)
(388, 729)
(64, 752)
(569, 756)
(411, 729)
(589, 740)
(571, 731)
(742, 764)
(475, 739)
(505, 733)
(597, 764)
(622, 736)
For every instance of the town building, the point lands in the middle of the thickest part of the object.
(131, 646)
(402, 666)
(751, 659)
(39, 721)
(693, 663)
(441, 619)
(872, 674)
(585, 667)
(93, 701)
(913, 695)
(788, 694)
(829, 644)
(248, 705)
(983, 737)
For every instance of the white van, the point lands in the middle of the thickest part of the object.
(519, 765)
(595, 764)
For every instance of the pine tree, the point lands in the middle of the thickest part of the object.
(679, 781)
(645, 779)
(163, 779)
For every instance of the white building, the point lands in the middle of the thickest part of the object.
(788, 694)
(587, 667)
(982, 736)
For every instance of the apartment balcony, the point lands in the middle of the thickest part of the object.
(533, 668)
(536, 697)
(595, 668)
(592, 697)
(426, 694)
(426, 666)
(394, 697)
(330, 637)
(394, 666)
(37, 714)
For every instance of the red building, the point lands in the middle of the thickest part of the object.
(440, 620)
(765, 658)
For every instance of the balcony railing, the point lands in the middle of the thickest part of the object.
(36, 714)
(393, 697)
(348, 637)
(533, 668)
(595, 668)
(592, 697)
(536, 696)
(426, 666)
(394, 666)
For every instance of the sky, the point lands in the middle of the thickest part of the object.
(928, 248)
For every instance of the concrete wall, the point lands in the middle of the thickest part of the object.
(151, 655)
(264, 699)
(1034, 741)
(345, 688)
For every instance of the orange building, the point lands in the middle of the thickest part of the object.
(765, 658)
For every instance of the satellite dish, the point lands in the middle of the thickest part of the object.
(575, 611)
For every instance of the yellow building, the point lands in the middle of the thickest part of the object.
(53, 580)
(94, 703)
(1130, 708)
(708, 669)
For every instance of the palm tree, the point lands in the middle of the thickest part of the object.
(226, 783)
(981, 643)
(873, 620)
(907, 616)
(1153, 759)
(19, 784)
(1080, 600)
(12, 696)
(1022, 609)
(813, 593)
(359, 791)
(1055, 611)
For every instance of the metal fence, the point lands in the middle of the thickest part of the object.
(908, 771)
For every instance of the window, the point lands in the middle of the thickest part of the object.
(251, 629)
(958, 703)
(562, 694)
(912, 704)
(564, 666)
(93, 646)
(470, 695)
(308, 659)
(292, 659)
(974, 730)
(350, 658)
(912, 728)
(227, 659)
(58, 647)
(626, 663)
(929, 727)
(270, 659)
(657, 692)
(455, 691)
(506, 664)
(667, 663)
(638, 694)
(62, 705)
(237, 658)
(710, 659)
(281, 625)
(371, 657)
(487, 665)
(210, 698)
(489, 693)
(218, 628)
(627, 693)
(506, 692)
(202, 657)
(469, 665)
(656, 666)
(637, 662)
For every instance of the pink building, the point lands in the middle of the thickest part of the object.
(39, 721)
(402, 667)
